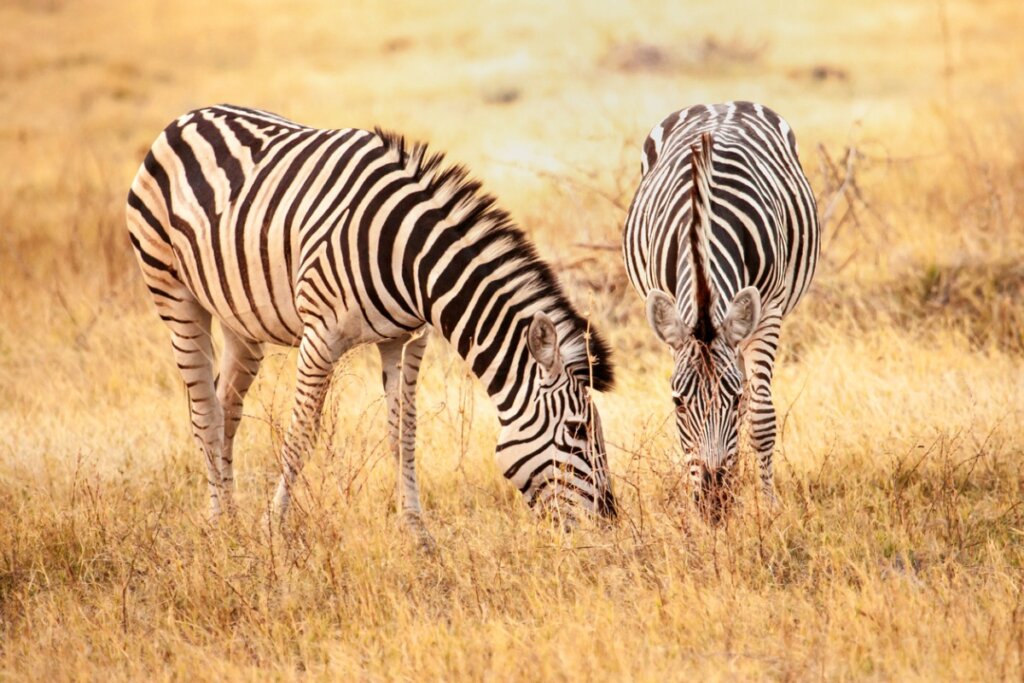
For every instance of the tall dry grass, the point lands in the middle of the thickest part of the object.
(898, 551)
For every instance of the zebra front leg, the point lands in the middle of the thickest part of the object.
(319, 350)
(193, 352)
(239, 365)
(400, 363)
(758, 368)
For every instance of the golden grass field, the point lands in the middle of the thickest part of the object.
(898, 551)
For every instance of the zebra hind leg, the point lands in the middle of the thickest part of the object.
(400, 363)
(239, 365)
(193, 351)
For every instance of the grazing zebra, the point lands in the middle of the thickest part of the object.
(330, 239)
(722, 239)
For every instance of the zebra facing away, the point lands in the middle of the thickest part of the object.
(722, 240)
(330, 239)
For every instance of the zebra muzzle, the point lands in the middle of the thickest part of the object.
(713, 493)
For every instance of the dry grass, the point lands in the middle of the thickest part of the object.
(898, 552)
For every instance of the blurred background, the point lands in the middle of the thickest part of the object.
(909, 117)
(548, 103)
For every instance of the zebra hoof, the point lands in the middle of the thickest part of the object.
(266, 525)
(772, 502)
(225, 513)
(213, 516)
(272, 523)
(425, 542)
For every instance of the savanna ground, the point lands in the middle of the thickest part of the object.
(898, 550)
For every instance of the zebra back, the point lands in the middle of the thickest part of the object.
(761, 226)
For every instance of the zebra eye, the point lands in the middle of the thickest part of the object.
(680, 402)
(576, 429)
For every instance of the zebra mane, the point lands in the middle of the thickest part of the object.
(585, 353)
(700, 228)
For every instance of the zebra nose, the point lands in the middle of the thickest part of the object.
(712, 478)
(713, 493)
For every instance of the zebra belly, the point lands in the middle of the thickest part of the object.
(260, 325)
(258, 322)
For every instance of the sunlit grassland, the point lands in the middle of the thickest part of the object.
(897, 552)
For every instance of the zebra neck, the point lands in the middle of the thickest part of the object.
(495, 349)
(484, 311)
(478, 282)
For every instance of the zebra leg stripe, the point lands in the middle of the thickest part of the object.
(193, 352)
(319, 350)
(239, 365)
(759, 364)
(400, 364)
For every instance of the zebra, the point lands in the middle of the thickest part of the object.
(722, 241)
(331, 239)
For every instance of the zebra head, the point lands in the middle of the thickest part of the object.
(707, 388)
(552, 447)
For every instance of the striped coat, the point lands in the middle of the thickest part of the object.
(722, 241)
(329, 239)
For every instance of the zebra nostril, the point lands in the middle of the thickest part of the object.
(712, 490)
(720, 477)
(710, 479)
(707, 480)
(714, 497)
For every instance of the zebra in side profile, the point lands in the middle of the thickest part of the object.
(330, 239)
(722, 240)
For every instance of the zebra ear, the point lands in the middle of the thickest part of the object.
(743, 316)
(663, 317)
(542, 340)
(649, 157)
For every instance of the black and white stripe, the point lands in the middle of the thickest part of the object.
(329, 239)
(722, 240)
